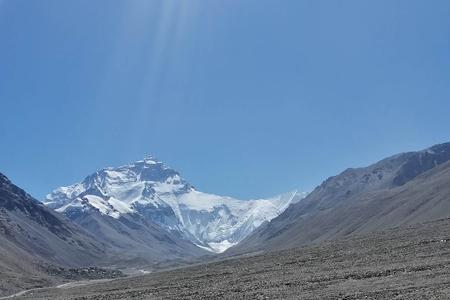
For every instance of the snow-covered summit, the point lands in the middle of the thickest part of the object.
(152, 190)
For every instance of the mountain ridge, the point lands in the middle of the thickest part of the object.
(158, 194)
(358, 200)
(33, 236)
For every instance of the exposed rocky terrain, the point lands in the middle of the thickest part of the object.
(87, 273)
(410, 262)
(403, 189)
(32, 235)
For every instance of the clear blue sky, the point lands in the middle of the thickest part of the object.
(245, 98)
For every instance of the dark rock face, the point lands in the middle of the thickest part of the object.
(13, 198)
(422, 162)
(20, 210)
(404, 188)
(161, 215)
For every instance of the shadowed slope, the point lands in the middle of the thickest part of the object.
(32, 235)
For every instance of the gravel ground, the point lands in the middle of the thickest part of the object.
(402, 263)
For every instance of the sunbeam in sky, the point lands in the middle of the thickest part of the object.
(231, 93)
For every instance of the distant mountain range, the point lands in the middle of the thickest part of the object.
(147, 198)
(403, 189)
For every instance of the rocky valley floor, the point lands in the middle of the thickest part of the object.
(402, 263)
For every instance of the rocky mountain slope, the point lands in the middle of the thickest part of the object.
(143, 197)
(32, 235)
(402, 189)
(401, 263)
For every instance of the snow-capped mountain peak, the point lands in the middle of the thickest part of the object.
(152, 190)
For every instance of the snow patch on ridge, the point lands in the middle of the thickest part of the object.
(222, 246)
